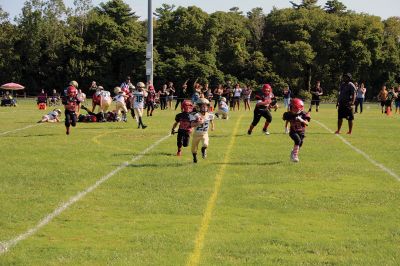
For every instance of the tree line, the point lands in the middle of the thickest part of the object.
(49, 44)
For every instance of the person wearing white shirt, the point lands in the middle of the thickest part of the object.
(201, 122)
(119, 99)
(138, 98)
(237, 93)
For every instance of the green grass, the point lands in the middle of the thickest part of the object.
(332, 208)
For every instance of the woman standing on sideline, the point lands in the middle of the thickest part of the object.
(287, 93)
(360, 97)
(246, 97)
(163, 94)
(171, 91)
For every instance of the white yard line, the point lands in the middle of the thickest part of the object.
(18, 129)
(377, 164)
(5, 246)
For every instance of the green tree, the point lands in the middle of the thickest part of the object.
(335, 7)
(307, 4)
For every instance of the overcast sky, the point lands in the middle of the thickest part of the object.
(382, 8)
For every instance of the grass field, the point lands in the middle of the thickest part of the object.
(245, 204)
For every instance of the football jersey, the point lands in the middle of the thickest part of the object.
(52, 115)
(120, 97)
(265, 99)
(203, 128)
(138, 99)
(223, 107)
(71, 103)
(295, 125)
(184, 121)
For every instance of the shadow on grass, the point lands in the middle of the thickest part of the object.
(154, 165)
(39, 135)
(147, 154)
(249, 163)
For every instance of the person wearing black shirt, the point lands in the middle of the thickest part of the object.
(345, 103)
(316, 92)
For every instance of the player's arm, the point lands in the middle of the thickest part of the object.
(173, 128)
(286, 126)
(304, 121)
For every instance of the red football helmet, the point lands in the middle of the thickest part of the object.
(187, 106)
(266, 88)
(296, 105)
(71, 91)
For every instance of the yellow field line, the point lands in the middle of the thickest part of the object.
(194, 258)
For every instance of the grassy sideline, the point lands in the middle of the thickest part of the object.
(334, 207)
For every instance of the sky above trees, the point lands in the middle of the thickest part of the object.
(382, 8)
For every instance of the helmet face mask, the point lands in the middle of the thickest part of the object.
(266, 89)
(71, 91)
(187, 106)
(203, 105)
(203, 108)
(296, 106)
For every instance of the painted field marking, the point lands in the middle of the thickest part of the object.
(194, 258)
(18, 129)
(379, 165)
(5, 246)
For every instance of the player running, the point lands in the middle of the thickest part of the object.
(298, 120)
(201, 122)
(261, 109)
(185, 128)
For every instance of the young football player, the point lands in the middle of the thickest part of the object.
(139, 96)
(201, 121)
(185, 128)
(223, 109)
(71, 105)
(52, 117)
(261, 109)
(120, 101)
(298, 120)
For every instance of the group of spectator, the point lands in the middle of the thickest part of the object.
(8, 100)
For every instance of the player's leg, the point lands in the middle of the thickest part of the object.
(256, 119)
(195, 143)
(205, 140)
(294, 156)
(268, 119)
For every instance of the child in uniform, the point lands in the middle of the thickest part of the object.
(71, 104)
(298, 120)
(201, 122)
(185, 128)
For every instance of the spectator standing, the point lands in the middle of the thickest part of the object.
(346, 99)
(237, 93)
(382, 97)
(316, 92)
(163, 94)
(397, 100)
(181, 95)
(360, 97)
(247, 91)
(171, 91)
(287, 95)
